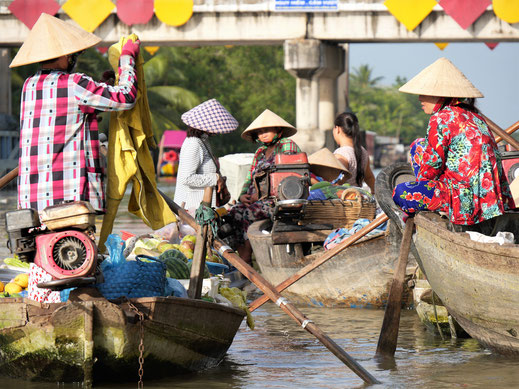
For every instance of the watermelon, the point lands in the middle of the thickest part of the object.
(176, 264)
(206, 270)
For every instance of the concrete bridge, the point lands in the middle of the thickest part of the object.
(315, 43)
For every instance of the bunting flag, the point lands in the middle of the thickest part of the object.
(441, 45)
(410, 12)
(88, 14)
(135, 12)
(507, 10)
(102, 50)
(174, 12)
(491, 45)
(28, 11)
(151, 49)
(464, 12)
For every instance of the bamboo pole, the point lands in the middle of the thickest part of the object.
(196, 278)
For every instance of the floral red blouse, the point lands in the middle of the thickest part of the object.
(461, 157)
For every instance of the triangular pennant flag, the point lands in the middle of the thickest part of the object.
(441, 45)
(151, 49)
(410, 12)
(464, 12)
(28, 11)
(89, 14)
(491, 45)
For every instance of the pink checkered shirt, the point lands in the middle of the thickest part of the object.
(59, 144)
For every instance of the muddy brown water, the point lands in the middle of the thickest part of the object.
(279, 354)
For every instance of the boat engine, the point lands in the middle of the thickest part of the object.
(288, 179)
(66, 249)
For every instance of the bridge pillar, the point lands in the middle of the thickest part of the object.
(5, 81)
(316, 66)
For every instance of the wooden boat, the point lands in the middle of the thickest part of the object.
(477, 282)
(357, 277)
(98, 340)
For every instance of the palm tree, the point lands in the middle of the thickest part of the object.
(362, 77)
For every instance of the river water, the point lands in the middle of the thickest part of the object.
(279, 354)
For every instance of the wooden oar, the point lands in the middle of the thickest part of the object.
(510, 130)
(322, 259)
(389, 332)
(280, 301)
(8, 177)
(501, 133)
(194, 290)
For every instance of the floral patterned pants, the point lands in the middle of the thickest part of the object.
(415, 196)
(245, 215)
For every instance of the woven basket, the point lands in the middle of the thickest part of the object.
(343, 212)
(134, 279)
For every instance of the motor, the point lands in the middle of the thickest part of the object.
(65, 248)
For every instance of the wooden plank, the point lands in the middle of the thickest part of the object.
(300, 236)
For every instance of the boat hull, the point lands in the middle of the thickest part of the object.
(477, 282)
(358, 277)
(98, 340)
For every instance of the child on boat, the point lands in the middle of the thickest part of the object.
(350, 152)
(272, 132)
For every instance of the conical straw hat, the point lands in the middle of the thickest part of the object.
(51, 38)
(325, 164)
(441, 79)
(268, 119)
(210, 116)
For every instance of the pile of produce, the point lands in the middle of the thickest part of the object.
(17, 285)
(154, 246)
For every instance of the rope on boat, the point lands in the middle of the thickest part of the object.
(206, 215)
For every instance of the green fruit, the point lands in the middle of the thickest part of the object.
(176, 266)
(206, 269)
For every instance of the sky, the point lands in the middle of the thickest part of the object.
(494, 72)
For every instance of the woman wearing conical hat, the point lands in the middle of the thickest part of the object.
(271, 132)
(59, 145)
(196, 167)
(458, 165)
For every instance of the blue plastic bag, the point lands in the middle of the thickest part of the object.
(115, 246)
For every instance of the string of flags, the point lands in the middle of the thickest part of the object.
(90, 14)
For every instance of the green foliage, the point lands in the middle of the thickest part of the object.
(245, 79)
(383, 109)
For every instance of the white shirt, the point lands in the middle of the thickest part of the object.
(196, 171)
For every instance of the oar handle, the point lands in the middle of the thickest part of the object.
(500, 132)
(8, 177)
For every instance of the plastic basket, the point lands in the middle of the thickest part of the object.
(135, 279)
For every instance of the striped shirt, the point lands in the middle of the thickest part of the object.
(283, 146)
(196, 171)
(59, 145)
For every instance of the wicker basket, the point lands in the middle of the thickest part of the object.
(341, 212)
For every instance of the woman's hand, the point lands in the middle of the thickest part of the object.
(220, 183)
(245, 199)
